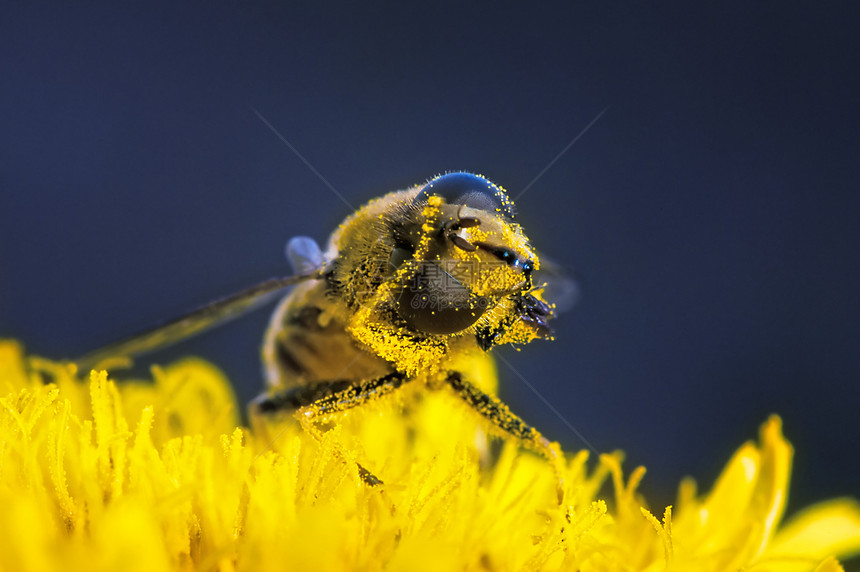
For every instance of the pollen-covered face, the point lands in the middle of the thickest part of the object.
(467, 264)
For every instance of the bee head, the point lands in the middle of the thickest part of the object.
(466, 257)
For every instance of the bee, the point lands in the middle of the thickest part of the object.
(411, 287)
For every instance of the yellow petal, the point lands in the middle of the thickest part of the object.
(13, 375)
(829, 565)
(824, 529)
(128, 537)
(771, 491)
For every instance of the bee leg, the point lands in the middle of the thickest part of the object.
(318, 402)
(504, 419)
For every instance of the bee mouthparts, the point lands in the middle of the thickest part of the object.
(535, 313)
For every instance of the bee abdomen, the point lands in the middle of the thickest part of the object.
(307, 318)
(288, 360)
(311, 347)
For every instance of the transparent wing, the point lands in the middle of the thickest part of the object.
(304, 254)
(560, 286)
(199, 320)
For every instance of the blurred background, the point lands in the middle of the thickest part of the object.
(710, 214)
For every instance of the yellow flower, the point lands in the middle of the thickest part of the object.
(157, 475)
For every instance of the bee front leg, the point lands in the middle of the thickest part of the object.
(500, 415)
(315, 403)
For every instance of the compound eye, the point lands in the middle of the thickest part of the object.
(437, 303)
(470, 190)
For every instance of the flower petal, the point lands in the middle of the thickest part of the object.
(825, 529)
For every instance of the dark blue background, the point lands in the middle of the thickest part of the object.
(712, 212)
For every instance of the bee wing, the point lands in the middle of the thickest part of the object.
(560, 287)
(199, 320)
(304, 254)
